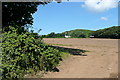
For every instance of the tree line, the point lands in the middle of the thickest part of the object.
(111, 32)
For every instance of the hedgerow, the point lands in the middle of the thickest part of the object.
(22, 54)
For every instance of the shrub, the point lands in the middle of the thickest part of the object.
(22, 54)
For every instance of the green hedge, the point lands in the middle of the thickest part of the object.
(22, 54)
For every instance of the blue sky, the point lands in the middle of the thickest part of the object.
(65, 16)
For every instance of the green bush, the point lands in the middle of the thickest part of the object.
(22, 54)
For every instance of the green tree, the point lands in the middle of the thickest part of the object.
(52, 35)
(18, 13)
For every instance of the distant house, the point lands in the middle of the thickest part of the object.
(67, 36)
(91, 36)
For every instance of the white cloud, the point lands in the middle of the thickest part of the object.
(104, 18)
(99, 5)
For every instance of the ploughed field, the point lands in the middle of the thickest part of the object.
(101, 60)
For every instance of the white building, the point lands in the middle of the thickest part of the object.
(91, 36)
(67, 36)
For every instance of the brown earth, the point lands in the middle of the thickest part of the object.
(101, 60)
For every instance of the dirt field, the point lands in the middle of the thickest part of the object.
(101, 60)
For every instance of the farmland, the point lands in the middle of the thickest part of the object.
(101, 60)
(28, 49)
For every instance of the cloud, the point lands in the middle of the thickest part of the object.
(104, 18)
(99, 5)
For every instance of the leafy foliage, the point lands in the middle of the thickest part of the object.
(18, 13)
(22, 54)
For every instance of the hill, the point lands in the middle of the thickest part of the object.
(78, 33)
(111, 32)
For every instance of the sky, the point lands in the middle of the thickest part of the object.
(65, 16)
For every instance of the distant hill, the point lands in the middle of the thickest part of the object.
(111, 32)
(78, 33)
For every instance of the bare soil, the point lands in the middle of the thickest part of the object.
(101, 60)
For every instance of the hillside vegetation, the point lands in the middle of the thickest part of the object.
(78, 33)
(111, 32)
